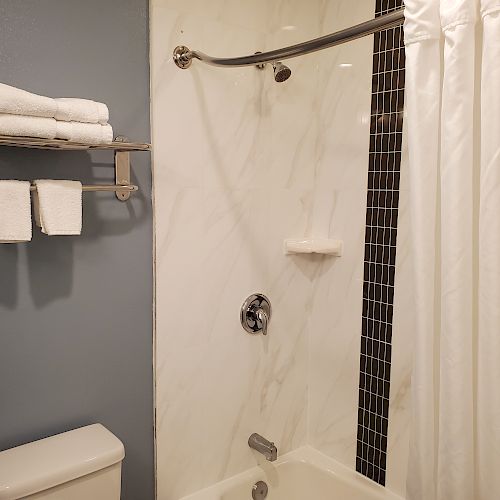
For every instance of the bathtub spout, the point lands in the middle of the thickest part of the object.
(263, 446)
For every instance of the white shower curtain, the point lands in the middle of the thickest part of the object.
(453, 120)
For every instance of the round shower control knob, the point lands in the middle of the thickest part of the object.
(256, 314)
(259, 490)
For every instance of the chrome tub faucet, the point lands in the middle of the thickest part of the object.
(263, 446)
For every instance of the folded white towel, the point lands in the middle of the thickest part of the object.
(27, 126)
(19, 102)
(91, 133)
(15, 211)
(58, 206)
(71, 109)
(16, 101)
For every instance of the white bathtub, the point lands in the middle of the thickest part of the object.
(303, 474)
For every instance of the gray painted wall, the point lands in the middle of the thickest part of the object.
(76, 312)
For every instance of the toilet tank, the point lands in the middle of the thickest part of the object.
(81, 464)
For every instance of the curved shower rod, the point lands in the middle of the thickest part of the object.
(183, 56)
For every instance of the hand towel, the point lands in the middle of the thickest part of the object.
(15, 211)
(27, 126)
(19, 102)
(91, 133)
(58, 206)
(71, 109)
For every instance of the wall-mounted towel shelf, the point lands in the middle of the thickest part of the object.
(121, 146)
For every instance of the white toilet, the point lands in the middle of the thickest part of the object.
(83, 464)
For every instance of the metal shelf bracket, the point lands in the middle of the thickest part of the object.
(122, 170)
(122, 173)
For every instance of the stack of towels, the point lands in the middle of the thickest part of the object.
(23, 114)
(57, 208)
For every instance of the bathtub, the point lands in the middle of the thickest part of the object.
(303, 474)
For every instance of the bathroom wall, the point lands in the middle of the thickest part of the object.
(335, 319)
(384, 176)
(240, 163)
(76, 312)
(233, 178)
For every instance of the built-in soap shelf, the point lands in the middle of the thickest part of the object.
(322, 246)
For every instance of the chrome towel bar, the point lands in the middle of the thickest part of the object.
(104, 187)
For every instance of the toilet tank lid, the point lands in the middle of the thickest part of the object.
(46, 463)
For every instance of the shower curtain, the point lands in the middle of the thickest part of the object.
(453, 120)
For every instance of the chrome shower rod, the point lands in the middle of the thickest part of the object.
(183, 56)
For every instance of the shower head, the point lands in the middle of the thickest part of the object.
(281, 72)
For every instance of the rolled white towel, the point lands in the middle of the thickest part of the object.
(91, 133)
(58, 206)
(27, 126)
(19, 102)
(15, 211)
(71, 109)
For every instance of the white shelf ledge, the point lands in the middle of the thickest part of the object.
(321, 246)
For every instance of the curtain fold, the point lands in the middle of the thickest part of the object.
(455, 217)
(488, 362)
(455, 474)
(423, 83)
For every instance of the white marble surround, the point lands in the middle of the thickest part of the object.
(240, 164)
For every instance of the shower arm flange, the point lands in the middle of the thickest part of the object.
(183, 56)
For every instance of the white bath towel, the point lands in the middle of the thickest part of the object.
(91, 133)
(71, 109)
(15, 101)
(27, 126)
(15, 211)
(58, 206)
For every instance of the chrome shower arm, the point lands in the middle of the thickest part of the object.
(183, 56)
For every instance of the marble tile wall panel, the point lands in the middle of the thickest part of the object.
(342, 158)
(233, 178)
(240, 163)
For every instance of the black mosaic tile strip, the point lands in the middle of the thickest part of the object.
(386, 137)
